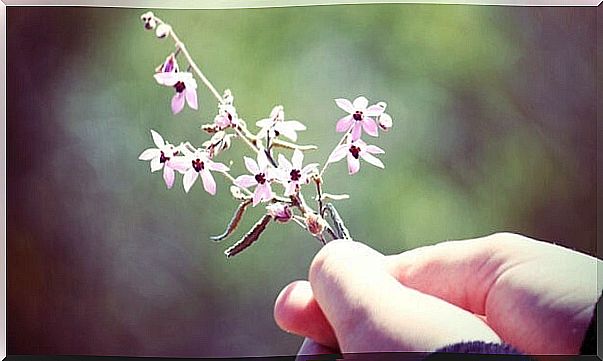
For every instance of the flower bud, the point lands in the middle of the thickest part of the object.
(280, 212)
(385, 122)
(382, 105)
(315, 224)
(162, 31)
(228, 97)
(149, 20)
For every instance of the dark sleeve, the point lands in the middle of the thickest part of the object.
(589, 345)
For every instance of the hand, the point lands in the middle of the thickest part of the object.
(533, 295)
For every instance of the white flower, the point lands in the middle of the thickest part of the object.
(292, 174)
(164, 156)
(199, 165)
(261, 176)
(359, 117)
(276, 125)
(354, 151)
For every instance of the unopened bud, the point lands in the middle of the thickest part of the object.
(280, 212)
(149, 20)
(228, 97)
(382, 105)
(385, 122)
(236, 193)
(315, 224)
(162, 31)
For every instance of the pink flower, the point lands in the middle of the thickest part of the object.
(261, 178)
(359, 117)
(281, 212)
(164, 156)
(227, 116)
(384, 120)
(291, 174)
(199, 164)
(169, 65)
(186, 86)
(276, 125)
(354, 151)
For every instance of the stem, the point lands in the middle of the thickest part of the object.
(247, 141)
(180, 45)
(319, 195)
(338, 144)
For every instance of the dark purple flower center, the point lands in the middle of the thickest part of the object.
(198, 165)
(229, 117)
(358, 115)
(295, 175)
(163, 158)
(260, 178)
(355, 151)
(179, 87)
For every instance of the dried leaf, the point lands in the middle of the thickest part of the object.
(209, 128)
(340, 229)
(334, 197)
(250, 237)
(234, 221)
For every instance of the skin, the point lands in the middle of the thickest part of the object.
(534, 295)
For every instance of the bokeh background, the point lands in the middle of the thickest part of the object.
(495, 130)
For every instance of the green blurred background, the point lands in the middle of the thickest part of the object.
(494, 130)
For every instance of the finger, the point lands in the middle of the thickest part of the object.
(460, 272)
(309, 349)
(370, 310)
(296, 311)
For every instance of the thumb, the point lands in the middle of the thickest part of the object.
(370, 310)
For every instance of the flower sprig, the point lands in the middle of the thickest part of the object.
(274, 179)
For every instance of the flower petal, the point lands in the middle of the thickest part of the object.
(360, 103)
(290, 188)
(370, 127)
(167, 79)
(157, 139)
(257, 195)
(156, 164)
(309, 168)
(209, 184)
(263, 161)
(353, 164)
(372, 159)
(295, 125)
(181, 164)
(284, 164)
(286, 130)
(149, 154)
(168, 177)
(251, 165)
(344, 124)
(177, 102)
(338, 153)
(297, 159)
(191, 98)
(345, 105)
(189, 179)
(374, 110)
(218, 167)
(373, 149)
(266, 190)
(245, 181)
(357, 131)
(266, 122)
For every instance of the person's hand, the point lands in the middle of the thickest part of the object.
(533, 295)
